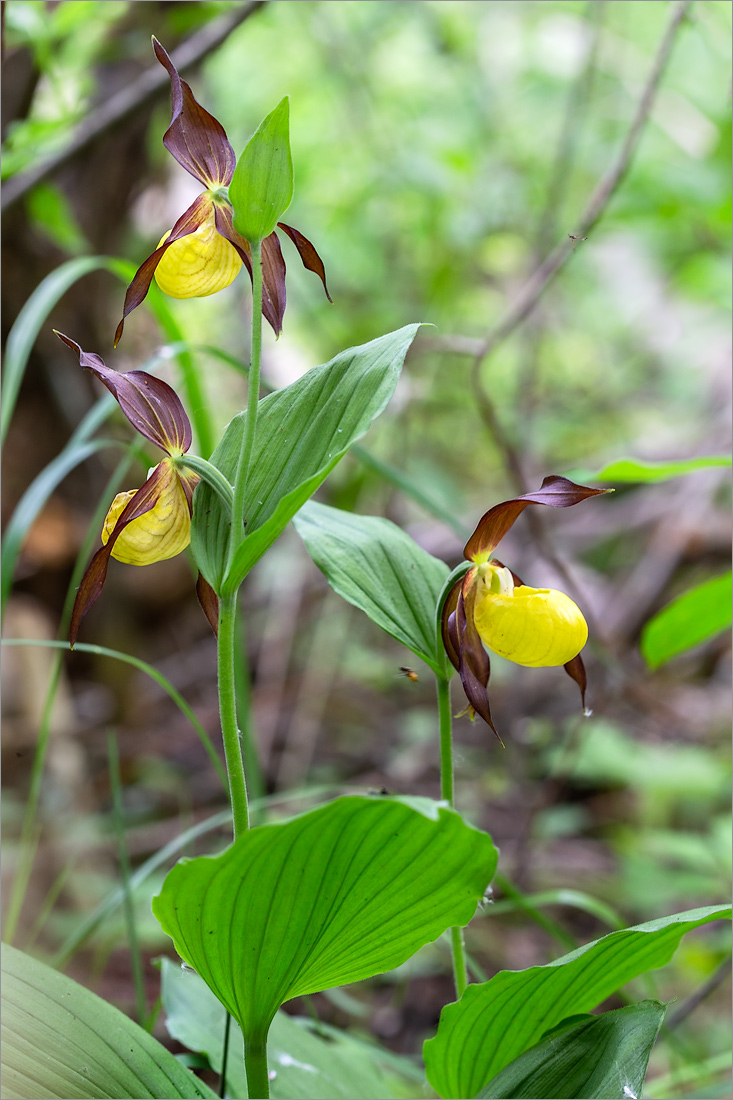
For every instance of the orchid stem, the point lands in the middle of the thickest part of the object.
(250, 423)
(228, 712)
(445, 718)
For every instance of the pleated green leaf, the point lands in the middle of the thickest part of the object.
(306, 1064)
(62, 1042)
(302, 432)
(692, 618)
(381, 570)
(601, 1056)
(496, 1021)
(333, 896)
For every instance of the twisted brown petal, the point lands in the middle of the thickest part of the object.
(310, 258)
(576, 671)
(209, 602)
(93, 580)
(151, 406)
(273, 266)
(557, 492)
(191, 220)
(195, 138)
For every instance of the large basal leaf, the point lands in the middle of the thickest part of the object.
(303, 1065)
(495, 1022)
(692, 618)
(602, 1056)
(302, 432)
(336, 895)
(62, 1042)
(381, 570)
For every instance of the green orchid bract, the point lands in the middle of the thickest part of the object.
(203, 253)
(490, 606)
(152, 523)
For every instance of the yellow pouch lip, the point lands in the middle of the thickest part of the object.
(197, 265)
(534, 627)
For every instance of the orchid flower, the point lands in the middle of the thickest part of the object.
(491, 606)
(203, 253)
(151, 523)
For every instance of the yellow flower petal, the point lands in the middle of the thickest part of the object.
(199, 264)
(159, 534)
(530, 626)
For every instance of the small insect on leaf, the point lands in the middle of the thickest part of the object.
(409, 673)
(574, 238)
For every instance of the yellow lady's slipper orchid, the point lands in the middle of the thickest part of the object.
(157, 535)
(203, 253)
(199, 264)
(151, 523)
(491, 606)
(530, 626)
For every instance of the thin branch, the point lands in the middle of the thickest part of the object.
(543, 275)
(688, 1006)
(128, 100)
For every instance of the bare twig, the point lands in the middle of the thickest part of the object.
(540, 279)
(688, 1006)
(543, 275)
(128, 100)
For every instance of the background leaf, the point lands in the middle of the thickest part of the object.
(262, 185)
(374, 565)
(636, 469)
(302, 432)
(336, 895)
(690, 619)
(60, 1040)
(495, 1022)
(604, 1056)
(306, 1065)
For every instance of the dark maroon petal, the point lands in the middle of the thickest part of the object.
(188, 222)
(576, 670)
(557, 492)
(209, 602)
(474, 666)
(311, 260)
(273, 266)
(448, 626)
(93, 580)
(151, 406)
(195, 138)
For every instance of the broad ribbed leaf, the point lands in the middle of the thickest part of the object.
(62, 1042)
(374, 565)
(336, 895)
(603, 1056)
(262, 185)
(692, 618)
(495, 1022)
(306, 1066)
(302, 432)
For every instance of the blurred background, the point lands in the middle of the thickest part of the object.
(441, 151)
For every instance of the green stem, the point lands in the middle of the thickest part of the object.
(210, 474)
(250, 423)
(228, 713)
(447, 793)
(255, 1063)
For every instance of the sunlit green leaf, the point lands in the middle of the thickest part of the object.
(62, 1042)
(333, 896)
(303, 430)
(601, 1056)
(636, 469)
(690, 619)
(306, 1066)
(496, 1021)
(262, 185)
(381, 570)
